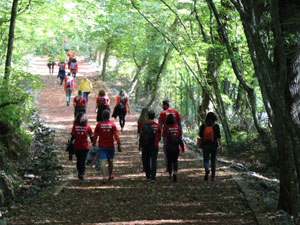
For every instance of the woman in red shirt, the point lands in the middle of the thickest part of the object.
(172, 139)
(123, 106)
(79, 103)
(80, 132)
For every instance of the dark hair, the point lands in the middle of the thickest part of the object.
(211, 118)
(69, 73)
(81, 119)
(74, 60)
(170, 119)
(101, 93)
(105, 114)
(80, 93)
(166, 103)
(144, 116)
(151, 115)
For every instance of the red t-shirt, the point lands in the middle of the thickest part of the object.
(174, 129)
(156, 130)
(124, 101)
(72, 82)
(81, 137)
(106, 131)
(163, 115)
(79, 101)
(106, 98)
(71, 55)
(63, 64)
(76, 67)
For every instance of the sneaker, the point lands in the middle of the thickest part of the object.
(80, 177)
(147, 178)
(111, 177)
(174, 177)
(206, 175)
(153, 181)
(213, 178)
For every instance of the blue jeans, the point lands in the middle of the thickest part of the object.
(86, 96)
(68, 94)
(210, 151)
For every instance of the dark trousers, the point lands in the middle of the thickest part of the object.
(81, 157)
(122, 119)
(149, 158)
(73, 74)
(99, 113)
(79, 109)
(210, 151)
(172, 157)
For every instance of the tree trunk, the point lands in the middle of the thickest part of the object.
(10, 43)
(105, 59)
(158, 76)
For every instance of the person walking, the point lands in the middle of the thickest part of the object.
(172, 137)
(86, 87)
(51, 63)
(106, 131)
(73, 67)
(149, 138)
(71, 55)
(122, 103)
(61, 71)
(69, 86)
(79, 104)
(210, 140)
(80, 132)
(143, 118)
(102, 103)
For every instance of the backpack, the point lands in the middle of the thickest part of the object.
(102, 102)
(174, 142)
(68, 82)
(147, 136)
(121, 106)
(73, 66)
(61, 67)
(208, 136)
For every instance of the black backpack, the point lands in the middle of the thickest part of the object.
(121, 106)
(61, 67)
(147, 136)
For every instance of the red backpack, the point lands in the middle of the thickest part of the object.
(208, 136)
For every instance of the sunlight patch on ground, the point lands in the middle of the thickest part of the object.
(104, 186)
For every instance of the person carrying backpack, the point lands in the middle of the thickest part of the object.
(73, 67)
(69, 86)
(102, 103)
(106, 131)
(71, 55)
(61, 71)
(149, 139)
(80, 132)
(86, 87)
(79, 104)
(122, 107)
(162, 120)
(143, 118)
(172, 137)
(210, 139)
(51, 64)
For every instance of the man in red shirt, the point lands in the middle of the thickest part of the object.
(79, 103)
(162, 120)
(107, 133)
(150, 150)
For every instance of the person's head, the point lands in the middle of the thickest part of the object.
(165, 104)
(170, 119)
(101, 93)
(81, 119)
(69, 73)
(211, 118)
(151, 115)
(105, 114)
(74, 60)
(80, 93)
(144, 116)
(84, 76)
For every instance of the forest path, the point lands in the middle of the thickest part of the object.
(129, 198)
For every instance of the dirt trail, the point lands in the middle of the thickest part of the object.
(129, 198)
